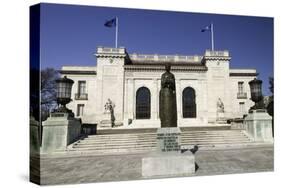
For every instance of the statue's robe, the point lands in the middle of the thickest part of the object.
(168, 103)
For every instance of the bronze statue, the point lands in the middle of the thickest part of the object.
(168, 103)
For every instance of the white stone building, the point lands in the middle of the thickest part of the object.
(132, 82)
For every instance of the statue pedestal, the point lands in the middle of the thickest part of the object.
(168, 160)
(258, 124)
(105, 123)
(59, 131)
(220, 118)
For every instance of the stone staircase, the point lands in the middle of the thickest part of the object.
(146, 141)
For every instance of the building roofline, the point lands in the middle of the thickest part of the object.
(83, 72)
(243, 74)
(160, 67)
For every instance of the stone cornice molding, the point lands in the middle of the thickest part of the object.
(111, 55)
(159, 63)
(243, 74)
(206, 58)
(78, 72)
(149, 68)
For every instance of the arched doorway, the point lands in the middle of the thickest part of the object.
(143, 103)
(188, 103)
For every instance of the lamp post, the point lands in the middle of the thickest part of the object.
(256, 94)
(64, 86)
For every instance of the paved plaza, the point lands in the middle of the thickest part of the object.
(65, 169)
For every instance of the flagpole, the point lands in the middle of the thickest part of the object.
(212, 36)
(116, 33)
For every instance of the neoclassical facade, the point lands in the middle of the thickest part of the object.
(208, 91)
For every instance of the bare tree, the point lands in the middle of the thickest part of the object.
(48, 91)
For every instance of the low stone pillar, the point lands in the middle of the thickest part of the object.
(34, 136)
(59, 130)
(168, 160)
(258, 125)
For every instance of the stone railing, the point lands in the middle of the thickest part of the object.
(120, 50)
(173, 58)
(242, 95)
(81, 96)
(224, 53)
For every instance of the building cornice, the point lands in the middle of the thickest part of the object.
(111, 55)
(243, 74)
(107, 52)
(162, 63)
(160, 68)
(216, 58)
(78, 72)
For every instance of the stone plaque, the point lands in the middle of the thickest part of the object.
(168, 139)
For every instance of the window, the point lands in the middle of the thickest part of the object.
(80, 109)
(241, 94)
(242, 107)
(188, 103)
(240, 87)
(81, 87)
(81, 93)
(143, 103)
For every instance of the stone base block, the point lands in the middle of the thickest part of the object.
(168, 165)
(59, 131)
(258, 126)
(34, 136)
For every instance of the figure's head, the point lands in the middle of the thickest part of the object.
(168, 67)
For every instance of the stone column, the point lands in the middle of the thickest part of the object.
(130, 98)
(179, 100)
(125, 102)
(155, 100)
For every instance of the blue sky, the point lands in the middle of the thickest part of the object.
(70, 35)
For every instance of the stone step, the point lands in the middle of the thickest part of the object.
(121, 137)
(214, 142)
(239, 136)
(102, 151)
(154, 140)
(151, 148)
(116, 146)
(154, 136)
(214, 136)
(183, 133)
(115, 143)
(148, 144)
(147, 141)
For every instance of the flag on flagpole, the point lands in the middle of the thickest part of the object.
(211, 29)
(207, 28)
(113, 23)
(110, 23)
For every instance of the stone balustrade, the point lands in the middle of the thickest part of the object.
(156, 57)
(223, 53)
(173, 58)
(120, 50)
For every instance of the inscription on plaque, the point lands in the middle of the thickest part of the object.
(168, 140)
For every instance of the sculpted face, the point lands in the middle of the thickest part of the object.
(168, 67)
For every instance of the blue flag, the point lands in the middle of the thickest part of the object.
(207, 28)
(110, 23)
